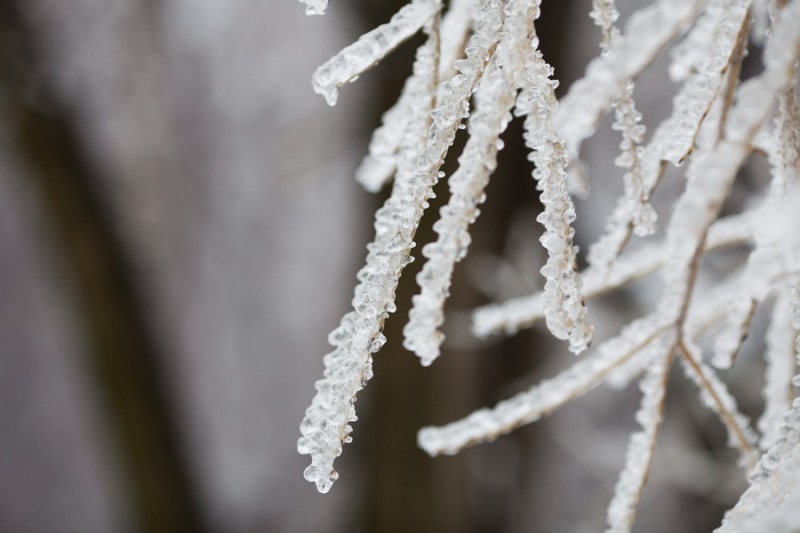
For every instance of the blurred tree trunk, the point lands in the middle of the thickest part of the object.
(175, 207)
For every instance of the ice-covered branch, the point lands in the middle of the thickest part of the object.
(715, 396)
(647, 33)
(487, 424)
(711, 177)
(380, 164)
(674, 139)
(519, 313)
(467, 184)
(780, 359)
(642, 444)
(495, 97)
(326, 425)
(562, 299)
(371, 47)
(347, 369)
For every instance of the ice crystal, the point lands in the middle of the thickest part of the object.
(315, 7)
(482, 62)
(564, 309)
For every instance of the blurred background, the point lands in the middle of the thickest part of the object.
(179, 231)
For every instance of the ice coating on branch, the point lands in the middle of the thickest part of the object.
(768, 481)
(497, 91)
(315, 7)
(711, 177)
(371, 47)
(784, 518)
(604, 13)
(689, 54)
(486, 425)
(776, 253)
(705, 312)
(564, 310)
(422, 335)
(522, 312)
(780, 359)
(642, 444)
(380, 164)
(715, 396)
(675, 138)
(326, 425)
(646, 34)
(628, 121)
(455, 28)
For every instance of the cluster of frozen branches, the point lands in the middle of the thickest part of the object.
(481, 61)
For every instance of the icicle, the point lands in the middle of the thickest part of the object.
(315, 7)
(642, 444)
(486, 425)
(564, 310)
(647, 33)
(519, 313)
(371, 47)
(779, 357)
